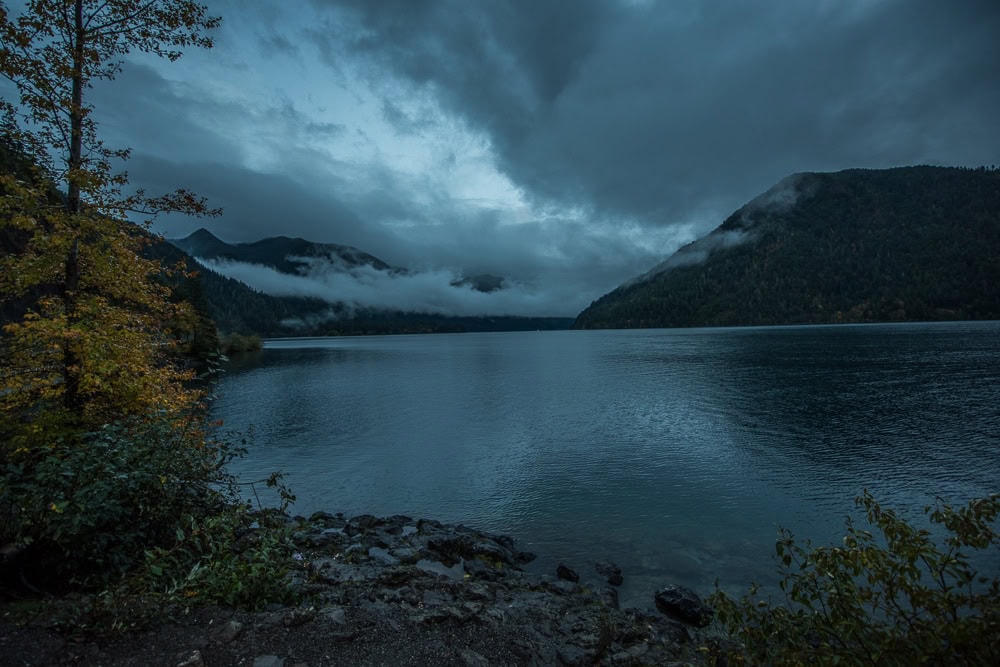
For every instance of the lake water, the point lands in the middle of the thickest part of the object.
(675, 453)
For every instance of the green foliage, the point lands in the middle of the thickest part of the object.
(240, 344)
(234, 558)
(95, 331)
(142, 515)
(898, 598)
(109, 482)
(87, 509)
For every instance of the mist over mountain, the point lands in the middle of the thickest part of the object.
(291, 286)
(904, 244)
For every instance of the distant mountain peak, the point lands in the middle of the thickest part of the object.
(282, 253)
(485, 283)
(201, 234)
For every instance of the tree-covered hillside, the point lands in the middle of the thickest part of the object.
(904, 244)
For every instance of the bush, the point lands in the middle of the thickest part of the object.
(141, 508)
(236, 558)
(897, 599)
(235, 343)
(87, 507)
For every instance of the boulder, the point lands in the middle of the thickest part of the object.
(611, 572)
(684, 605)
(565, 572)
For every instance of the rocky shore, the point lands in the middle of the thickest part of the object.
(400, 591)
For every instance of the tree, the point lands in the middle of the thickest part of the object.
(98, 326)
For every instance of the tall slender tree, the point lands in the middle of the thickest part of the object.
(91, 345)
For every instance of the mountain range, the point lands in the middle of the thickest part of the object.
(281, 253)
(241, 308)
(904, 244)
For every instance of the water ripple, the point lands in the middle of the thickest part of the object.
(675, 452)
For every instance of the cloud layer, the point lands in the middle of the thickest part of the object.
(569, 146)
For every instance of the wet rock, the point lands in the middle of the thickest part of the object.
(476, 591)
(297, 617)
(611, 572)
(382, 555)
(328, 538)
(395, 524)
(189, 659)
(361, 524)
(336, 614)
(684, 605)
(415, 574)
(328, 520)
(394, 577)
(575, 655)
(433, 567)
(405, 555)
(231, 631)
(610, 597)
(561, 587)
(268, 661)
(472, 659)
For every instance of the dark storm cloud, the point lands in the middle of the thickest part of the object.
(626, 128)
(662, 111)
(183, 146)
(255, 205)
(561, 265)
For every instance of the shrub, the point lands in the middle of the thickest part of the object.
(896, 599)
(236, 558)
(235, 343)
(86, 508)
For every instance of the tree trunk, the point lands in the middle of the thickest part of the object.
(76, 113)
(72, 399)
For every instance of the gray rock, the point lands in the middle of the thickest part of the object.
(611, 572)
(231, 631)
(567, 573)
(406, 555)
(336, 614)
(561, 587)
(299, 616)
(575, 655)
(268, 661)
(472, 659)
(684, 605)
(610, 597)
(190, 659)
(362, 524)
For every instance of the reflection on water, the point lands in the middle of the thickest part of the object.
(676, 453)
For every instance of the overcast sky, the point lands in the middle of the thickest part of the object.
(567, 144)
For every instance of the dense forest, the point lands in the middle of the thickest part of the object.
(904, 244)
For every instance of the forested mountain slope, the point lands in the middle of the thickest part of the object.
(281, 253)
(903, 244)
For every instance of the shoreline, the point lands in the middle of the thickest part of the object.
(404, 591)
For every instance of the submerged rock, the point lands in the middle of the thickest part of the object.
(684, 605)
(611, 572)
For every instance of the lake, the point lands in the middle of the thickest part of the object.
(675, 453)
